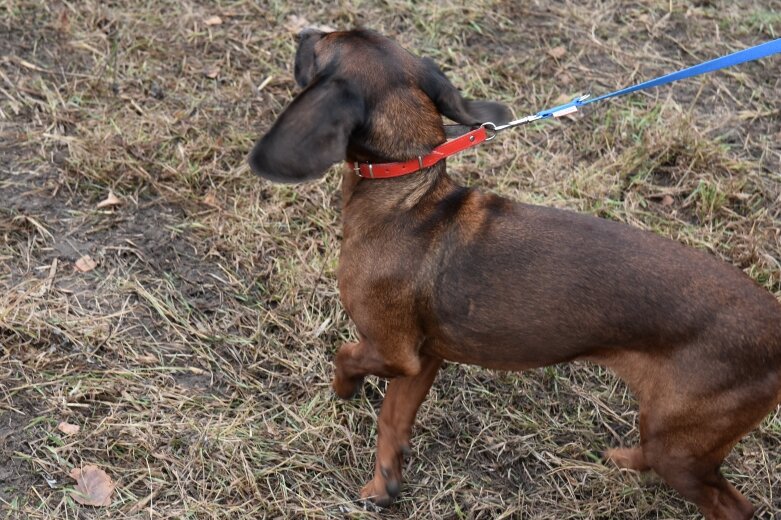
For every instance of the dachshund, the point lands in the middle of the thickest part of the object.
(432, 271)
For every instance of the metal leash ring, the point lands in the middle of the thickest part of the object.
(490, 130)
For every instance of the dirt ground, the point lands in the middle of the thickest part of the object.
(196, 355)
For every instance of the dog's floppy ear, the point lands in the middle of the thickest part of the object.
(305, 62)
(311, 134)
(450, 103)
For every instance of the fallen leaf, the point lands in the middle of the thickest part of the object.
(68, 428)
(63, 24)
(296, 24)
(212, 72)
(93, 486)
(86, 264)
(146, 359)
(213, 20)
(211, 200)
(111, 200)
(667, 200)
(557, 52)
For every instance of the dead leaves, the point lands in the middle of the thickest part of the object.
(557, 52)
(210, 199)
(296, 24)
(109, 201)
(212, 72)
(85, 264)
(147, 359)
(63, 23)
(68, 428)
(93, 486)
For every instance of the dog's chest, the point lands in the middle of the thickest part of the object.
(379, 272)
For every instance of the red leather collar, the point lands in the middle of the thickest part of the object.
(397, 169)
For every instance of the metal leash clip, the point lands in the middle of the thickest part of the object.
(562, 110)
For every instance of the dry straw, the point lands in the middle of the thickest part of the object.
(196, 355)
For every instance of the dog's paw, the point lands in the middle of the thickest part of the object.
(627, 458)
(382, 489)
(346, 388)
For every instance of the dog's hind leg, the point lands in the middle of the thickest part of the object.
(402, 400)
(698, 478)
(685, 438)
(693, 410)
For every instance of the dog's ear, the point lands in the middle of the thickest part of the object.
(311, 134)
(450, 103)
(306, 62)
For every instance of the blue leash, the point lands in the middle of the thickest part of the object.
(753, 53)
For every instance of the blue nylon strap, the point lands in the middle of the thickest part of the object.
(561, 110)
(736, 58)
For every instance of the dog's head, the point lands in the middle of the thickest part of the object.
(365, 98)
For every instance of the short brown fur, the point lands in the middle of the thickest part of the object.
(431, 271)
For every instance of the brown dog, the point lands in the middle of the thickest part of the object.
(430, 270)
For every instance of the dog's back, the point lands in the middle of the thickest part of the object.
(550, 285)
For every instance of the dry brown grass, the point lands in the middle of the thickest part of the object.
(196, 357)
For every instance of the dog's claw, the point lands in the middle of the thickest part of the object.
(392, 484)
(393, 487)
(383, 488)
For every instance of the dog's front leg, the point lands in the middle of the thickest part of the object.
(402, 400)
(354, 361)
(394, 357)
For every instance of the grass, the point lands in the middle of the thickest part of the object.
(197, 356)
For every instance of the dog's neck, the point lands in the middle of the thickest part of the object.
(373, 200)
(365, 201)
